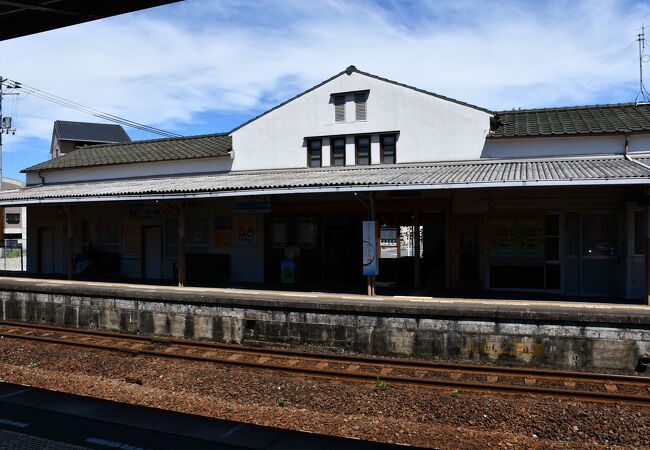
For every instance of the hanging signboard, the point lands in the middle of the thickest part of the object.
(370, 260)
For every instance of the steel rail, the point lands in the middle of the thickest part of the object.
(598, 396)
(331, 357)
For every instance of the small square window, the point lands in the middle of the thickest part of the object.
(363, 150)
(12, 218)
(314, 153)
(337, 145)
(388, 150)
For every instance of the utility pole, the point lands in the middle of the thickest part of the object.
(5, 127)
(642, 96)
(5, 122)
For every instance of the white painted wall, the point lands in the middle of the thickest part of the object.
(563, 146)
(430, 129)
(136, 170)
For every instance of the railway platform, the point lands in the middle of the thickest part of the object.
(534, 332)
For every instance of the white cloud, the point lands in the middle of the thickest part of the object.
(165, 66)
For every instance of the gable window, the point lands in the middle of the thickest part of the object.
(314, 152)
(387, 145)
(339, 108)
(12, 218)
(363, 150)
(360, 106)
(337, 145)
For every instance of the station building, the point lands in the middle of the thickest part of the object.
(547, 201)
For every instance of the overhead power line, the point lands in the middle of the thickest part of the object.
(39, 93)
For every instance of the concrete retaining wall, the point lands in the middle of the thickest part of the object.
(545, 342)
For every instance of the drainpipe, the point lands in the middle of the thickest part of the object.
(41, 177)
(628, 157)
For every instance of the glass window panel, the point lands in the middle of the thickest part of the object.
(363, 151)
(572, 234)
(553, 225)
(111, 235)
(338, 151)
(279, 233)
(307, 233)
(314, 152)
(599, 235)
(553, 276)
(388, 149)
(639, 233)
(552, 248)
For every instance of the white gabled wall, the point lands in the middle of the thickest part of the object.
(430, 128)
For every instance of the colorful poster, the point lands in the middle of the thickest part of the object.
(530, 239)
(501, 234)
(287, 271)
(222, 231)
(245, 230)
(516, 238)
(370, 260)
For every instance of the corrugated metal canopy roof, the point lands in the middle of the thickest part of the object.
(467, 174)
(22, 17)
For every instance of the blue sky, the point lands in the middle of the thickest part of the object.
(203, 66)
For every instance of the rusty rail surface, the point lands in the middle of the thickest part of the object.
(582, 386)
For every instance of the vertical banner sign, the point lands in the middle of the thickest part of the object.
(370, 260)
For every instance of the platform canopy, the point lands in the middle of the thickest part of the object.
(606, 170)
(24, 17)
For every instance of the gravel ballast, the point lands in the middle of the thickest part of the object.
(434, 418)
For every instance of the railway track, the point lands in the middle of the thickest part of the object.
(581, 386)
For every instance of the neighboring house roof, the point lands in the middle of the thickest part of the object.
(89, 132)
(464, 174)
(167, 149)
(349, 71)
(11, 183)
(618, 118)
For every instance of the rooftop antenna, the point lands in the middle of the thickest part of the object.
(643, 96)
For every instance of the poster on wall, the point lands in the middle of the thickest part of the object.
(516, 238)
(131, 239)
(222, 231)
(530, 242)
(245, 230)
(502, 235)
(370, 260)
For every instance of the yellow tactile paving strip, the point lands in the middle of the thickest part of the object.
(334, 296)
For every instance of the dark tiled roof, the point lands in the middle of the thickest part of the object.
(575, 120)
(90, 132)
(444, 175)
(168, 149)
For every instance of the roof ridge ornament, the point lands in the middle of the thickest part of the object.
(350, 70)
